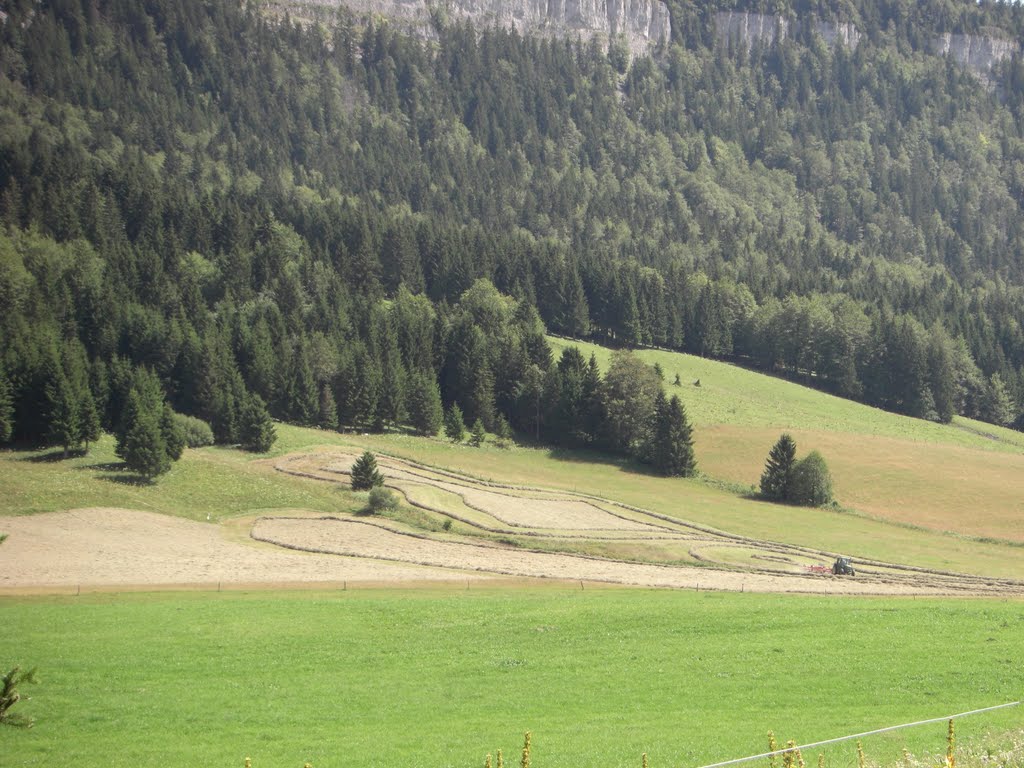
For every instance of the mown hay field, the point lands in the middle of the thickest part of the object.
(966, 477)
(384, 678)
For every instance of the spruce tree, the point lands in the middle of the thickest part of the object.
(364, 473)
(143, 448)
(503, 430)
(426, 414)
(454, 426)
(6, 409)
(149, 438)
(173, 433)
(256, 430)
(998, 405)
(64, 418)
(89, 429)
(328, 416)
(778, 470)
(477, 435)
(673, 453)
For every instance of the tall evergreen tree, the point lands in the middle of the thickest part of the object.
(149, 438)
(998, 408)
(672, 452)
(6, 408)
(65, 426)
(143, 447)
(777, 479)
(454, 426)
(256, 431)
(426, 414)
(172, 432)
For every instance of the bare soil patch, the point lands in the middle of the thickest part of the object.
(116, 548)
(108, 547)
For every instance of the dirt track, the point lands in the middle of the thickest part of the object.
(114, 548)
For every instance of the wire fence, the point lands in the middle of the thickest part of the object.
(813, 744)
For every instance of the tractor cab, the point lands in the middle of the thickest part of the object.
(842, 567)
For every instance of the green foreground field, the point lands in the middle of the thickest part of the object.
(395, 678)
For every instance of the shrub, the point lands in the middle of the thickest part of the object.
(382, 500)
(197, 432)
(9, 696)
(811, 484)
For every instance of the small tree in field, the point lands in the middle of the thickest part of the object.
(256, 431)
(778, 471)
(812, 483)
(477, 434)
(364, 473)
(454, 426)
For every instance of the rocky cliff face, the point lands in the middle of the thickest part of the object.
(641, 24)
(979, 54)
(748, 28)
(838, 34)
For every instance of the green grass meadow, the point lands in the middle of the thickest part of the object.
(896, 468)
(439, 678)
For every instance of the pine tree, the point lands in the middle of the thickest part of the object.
(454, 426)
(256, 431)
(64, 419)
(998, 406)
(328, 416)
(6, 409)
(778, 471)
(477, 435)
(364, 473)
(172, 432)
(143, 449)
(146, 426)
(89, 429)
(426, 413)
(673, 451)
(503, 431)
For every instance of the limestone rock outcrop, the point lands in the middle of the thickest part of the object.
(640, 24)
(976, 52)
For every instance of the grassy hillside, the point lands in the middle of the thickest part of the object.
(430, 678)
(222, 483)
(966, 477)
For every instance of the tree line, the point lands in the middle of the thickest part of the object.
(288, 221)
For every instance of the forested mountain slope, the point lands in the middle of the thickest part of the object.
(247, 205)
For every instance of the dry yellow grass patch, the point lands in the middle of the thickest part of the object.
(940, 487)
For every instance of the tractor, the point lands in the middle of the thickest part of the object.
(843, 567)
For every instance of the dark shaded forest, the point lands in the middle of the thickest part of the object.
(344, 224)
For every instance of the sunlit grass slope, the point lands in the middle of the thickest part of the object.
(208, 482)
(222, 483)
(431, 679)
(965, 477)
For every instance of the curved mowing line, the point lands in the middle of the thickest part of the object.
(896, 574)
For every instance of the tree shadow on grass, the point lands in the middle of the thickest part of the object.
(127, 478)
(52, 457)
(107, 466)
(611, 460)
